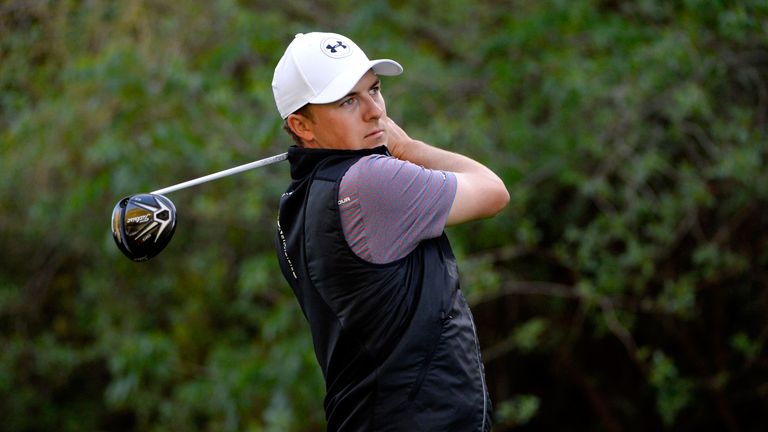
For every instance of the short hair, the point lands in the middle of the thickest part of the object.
(303, 111)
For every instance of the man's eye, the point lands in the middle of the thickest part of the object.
(347, 101)
(375, 90)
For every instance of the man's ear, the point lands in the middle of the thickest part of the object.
(301, 126)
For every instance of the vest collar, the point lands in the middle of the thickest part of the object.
(304, 160)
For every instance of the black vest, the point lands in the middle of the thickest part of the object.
(395, 342)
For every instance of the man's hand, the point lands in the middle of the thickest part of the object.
(397, 139)
(480, 192)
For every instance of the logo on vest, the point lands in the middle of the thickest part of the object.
(335, 48)
(345, 200)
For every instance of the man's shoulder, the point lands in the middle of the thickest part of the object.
(380, 167)
(375, 160)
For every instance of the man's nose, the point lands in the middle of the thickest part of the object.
(373, 109)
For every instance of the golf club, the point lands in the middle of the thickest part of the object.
(143, 224)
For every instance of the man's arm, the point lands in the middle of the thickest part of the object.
(480, 193)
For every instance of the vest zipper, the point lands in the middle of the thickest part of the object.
(480, 370)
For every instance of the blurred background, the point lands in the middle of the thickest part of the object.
(623, 289)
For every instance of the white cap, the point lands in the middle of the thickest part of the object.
(322, 68)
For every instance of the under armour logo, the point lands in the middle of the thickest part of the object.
(337, 48)
(339, 44)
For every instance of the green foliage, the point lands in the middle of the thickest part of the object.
(623, 288)
(674, 392)
(517, 411)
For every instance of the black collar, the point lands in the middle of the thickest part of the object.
(304, 160)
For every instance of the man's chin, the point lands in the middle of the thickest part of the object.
(376, 140)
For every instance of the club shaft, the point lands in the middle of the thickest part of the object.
(227, 172)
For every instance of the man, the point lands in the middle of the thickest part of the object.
(360, 240)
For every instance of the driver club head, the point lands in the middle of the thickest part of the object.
(143, 224)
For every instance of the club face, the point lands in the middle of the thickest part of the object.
(142, 225)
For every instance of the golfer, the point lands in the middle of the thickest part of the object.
(360, 241)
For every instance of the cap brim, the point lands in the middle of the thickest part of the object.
(386, 67)
(344, 83)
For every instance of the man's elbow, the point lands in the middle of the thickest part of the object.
(499, 198)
